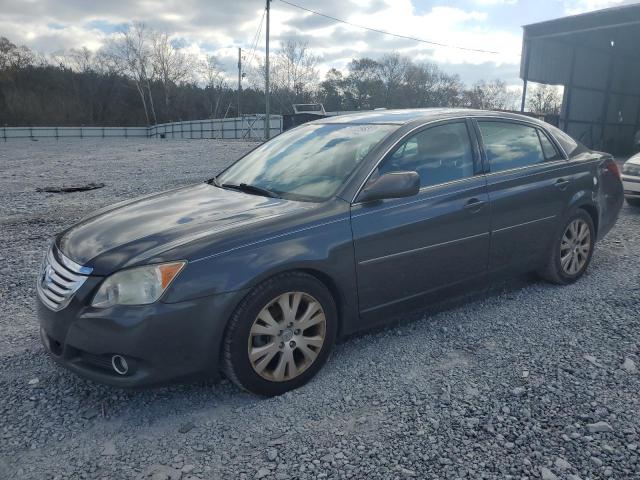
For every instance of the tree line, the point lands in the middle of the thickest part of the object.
(141, 77)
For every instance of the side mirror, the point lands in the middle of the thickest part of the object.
(391, 185)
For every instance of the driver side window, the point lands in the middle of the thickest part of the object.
(439, 154)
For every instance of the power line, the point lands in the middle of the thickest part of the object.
(256, 37)
(421, 40)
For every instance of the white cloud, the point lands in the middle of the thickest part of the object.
(574, 7)
(496, 2)
(221, 26)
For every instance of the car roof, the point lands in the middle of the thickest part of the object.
(403, 116)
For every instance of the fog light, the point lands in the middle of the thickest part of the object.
(119, 364)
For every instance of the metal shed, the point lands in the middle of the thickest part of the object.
(596, 56)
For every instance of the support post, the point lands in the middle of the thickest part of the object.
(267, 122)
(526, 75)
(605, 105)
(239, 80)
(568, 91)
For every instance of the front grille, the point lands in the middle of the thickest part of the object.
(60, 279)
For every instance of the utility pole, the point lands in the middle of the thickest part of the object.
(239, 80)
(267, 123)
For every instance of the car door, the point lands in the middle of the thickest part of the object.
(529, 185)
(406, 248)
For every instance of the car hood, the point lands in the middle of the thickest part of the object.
(635, 159)
(136, 231)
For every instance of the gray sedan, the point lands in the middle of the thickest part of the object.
(325, 230)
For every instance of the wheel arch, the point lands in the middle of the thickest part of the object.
(583, 200)
(593, 213)
(334, 289)
(339, 297)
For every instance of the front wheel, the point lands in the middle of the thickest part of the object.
(572, 250)
(280, 335)
(634, 202)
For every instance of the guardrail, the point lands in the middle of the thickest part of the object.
(249, 127)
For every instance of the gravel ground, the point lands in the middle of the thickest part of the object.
(527, 380)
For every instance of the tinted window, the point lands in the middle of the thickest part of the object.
(550, 152)
(307, 163)
(440, 154)
(510, 145)
(568, 144)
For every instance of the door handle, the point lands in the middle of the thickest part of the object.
(562, 183)
(474, 205)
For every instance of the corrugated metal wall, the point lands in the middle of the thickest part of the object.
(247, 127)
(601, 104)
(8, 133)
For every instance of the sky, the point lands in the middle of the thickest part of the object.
(219, 27)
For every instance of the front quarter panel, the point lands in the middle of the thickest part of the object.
(322, 245)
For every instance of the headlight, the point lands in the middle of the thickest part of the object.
(631, 169)
(136, 286)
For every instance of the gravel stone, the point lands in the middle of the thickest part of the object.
(562, 464)
(547, 474)
(629, 366)
(263, 472)
(160, 472)
(109, 449)
(272, 454)
(599, 427)
(434, 394)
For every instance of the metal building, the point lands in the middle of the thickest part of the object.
(596, 56)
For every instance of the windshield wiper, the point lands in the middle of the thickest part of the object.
(253, 189)
(213, 181)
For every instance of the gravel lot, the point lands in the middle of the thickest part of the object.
(526, 380)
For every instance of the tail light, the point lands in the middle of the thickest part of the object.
(612, 167)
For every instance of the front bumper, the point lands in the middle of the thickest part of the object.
(162, 342)
(631, 185)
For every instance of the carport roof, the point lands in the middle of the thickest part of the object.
(595, 29)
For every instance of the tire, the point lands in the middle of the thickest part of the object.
(554, 271)
(274, 346)
(634, 202)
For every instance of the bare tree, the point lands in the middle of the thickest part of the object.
(544, 99)
(392, 70)
(363, 86)
(214, 83)
(170, 65)
(293, 73)
(82, 59)
(490, 96)
(13, 57)
(131, 51)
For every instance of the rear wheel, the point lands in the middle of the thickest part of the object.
(280, 335)
(572, 250)
(634, 202)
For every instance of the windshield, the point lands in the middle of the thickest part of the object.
(308, 163)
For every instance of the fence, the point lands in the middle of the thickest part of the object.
(247, 127)
(8, 133)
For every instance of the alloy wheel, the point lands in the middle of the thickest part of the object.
(287, 336)
(575, 247)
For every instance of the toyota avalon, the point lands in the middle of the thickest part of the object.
(325, 230)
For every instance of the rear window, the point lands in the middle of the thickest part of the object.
(568, 144)
(548, 148)
(510, 145)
